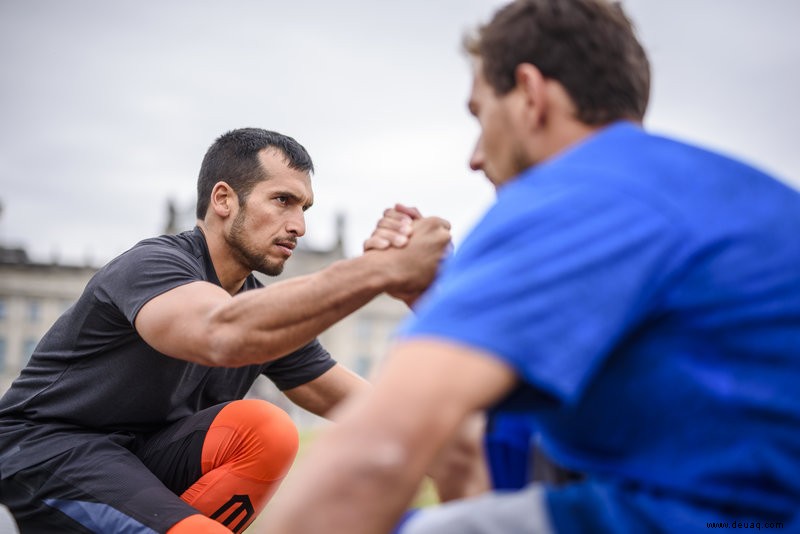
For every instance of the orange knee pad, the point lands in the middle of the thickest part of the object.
(257, 439)
(247, 451)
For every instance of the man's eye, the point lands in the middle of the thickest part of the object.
(282, 200)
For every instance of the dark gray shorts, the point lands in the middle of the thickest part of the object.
(104, 486)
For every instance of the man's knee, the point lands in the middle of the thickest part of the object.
(258, 437)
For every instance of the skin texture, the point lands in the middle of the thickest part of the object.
(390, 437)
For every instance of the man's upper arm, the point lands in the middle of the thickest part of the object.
(161, 290)
(424, 392)
(432, 371)
(176, 322)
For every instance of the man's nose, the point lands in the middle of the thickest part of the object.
(476, 161)
(296, 224)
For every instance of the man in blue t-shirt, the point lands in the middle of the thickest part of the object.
(638, 297)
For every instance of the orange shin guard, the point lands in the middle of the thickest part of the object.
(247, 451)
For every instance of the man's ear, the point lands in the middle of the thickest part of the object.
(223, 199)
(531, 83)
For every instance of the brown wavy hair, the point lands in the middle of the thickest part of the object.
(589, 46)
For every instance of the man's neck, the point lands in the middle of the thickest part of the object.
(560, 128)
(230, 272)
(566, 135)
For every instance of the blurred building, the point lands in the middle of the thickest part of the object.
(33, 295)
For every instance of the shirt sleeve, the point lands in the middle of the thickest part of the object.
(144, 272)
(299, 367)
(549, 281)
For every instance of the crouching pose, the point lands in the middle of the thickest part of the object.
(130, 415)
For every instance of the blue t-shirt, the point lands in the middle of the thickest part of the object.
(647, 294)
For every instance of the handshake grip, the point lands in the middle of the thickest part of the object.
(412, 247)
(418, 261)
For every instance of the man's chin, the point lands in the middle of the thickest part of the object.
(270, 269)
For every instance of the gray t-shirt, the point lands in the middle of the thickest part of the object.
(93, 374)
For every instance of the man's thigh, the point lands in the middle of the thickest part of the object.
(98, 487)
(174, 454)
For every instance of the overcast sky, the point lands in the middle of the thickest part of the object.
(106, 108)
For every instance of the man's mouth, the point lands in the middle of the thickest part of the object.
(286, 246)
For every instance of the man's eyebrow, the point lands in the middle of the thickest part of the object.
(295, 198)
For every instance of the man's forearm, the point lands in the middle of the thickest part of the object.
(271, 322)
(268, 323)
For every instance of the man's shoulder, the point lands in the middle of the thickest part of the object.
(189, 243)
(155, 256)
(186, 246)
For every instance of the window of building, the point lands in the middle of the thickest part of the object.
(3, 309)
(34, 311)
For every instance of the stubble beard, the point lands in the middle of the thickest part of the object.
(245, 254)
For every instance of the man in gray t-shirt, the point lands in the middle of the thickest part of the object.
(129, 415)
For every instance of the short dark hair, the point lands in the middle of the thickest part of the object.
(233, 158)
(589, 46)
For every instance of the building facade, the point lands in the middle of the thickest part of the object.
(32, 296)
